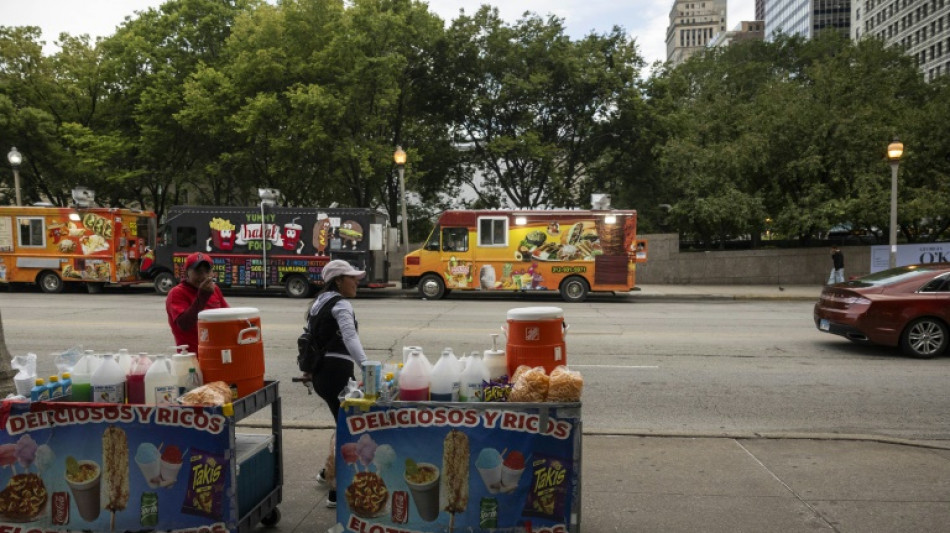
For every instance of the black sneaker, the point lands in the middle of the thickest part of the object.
(322, 477)
(331, 499)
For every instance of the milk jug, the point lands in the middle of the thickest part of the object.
(161, 386)
(414, 379)
(124, 358)
(445, 380)
(471, 382)
(82, 377)
(495, 361)
(108, 381)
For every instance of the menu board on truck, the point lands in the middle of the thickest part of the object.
(444, 467)
(107, 467)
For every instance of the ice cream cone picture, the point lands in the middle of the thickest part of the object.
(455, 458)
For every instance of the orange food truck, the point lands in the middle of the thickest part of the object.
(571, 251)
(52, 246)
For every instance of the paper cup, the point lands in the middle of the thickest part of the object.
(509, 477)
(86, 493)
(426, 495)
(170, 471)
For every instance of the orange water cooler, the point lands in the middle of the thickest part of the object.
(230, 348)
(535, 338)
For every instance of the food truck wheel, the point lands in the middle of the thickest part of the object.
(431, 287)
(50, 282)
(574, 289)
(272, 518)
(164, 281)
(297, 286)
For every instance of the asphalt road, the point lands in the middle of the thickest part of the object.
(652, 367)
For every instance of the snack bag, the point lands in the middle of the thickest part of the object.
(530, 386)
(205, 493)
(551, 478)
(565, 385)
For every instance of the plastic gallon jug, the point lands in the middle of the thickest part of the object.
(445, 378)
(536, 338)
(161, 386)
(135, 381)
(124, 358)
(414, 379)
(82, 376)
(472, 378)
(495, 361)
(182, 363)
(108, 381)
(230, 348)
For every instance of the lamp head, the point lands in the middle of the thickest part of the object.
(895, 150)
(14, 157)
(399, 156)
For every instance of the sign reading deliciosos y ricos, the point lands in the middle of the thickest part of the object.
(909, 254)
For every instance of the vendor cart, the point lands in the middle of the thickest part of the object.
(118, 467)
(444, 467)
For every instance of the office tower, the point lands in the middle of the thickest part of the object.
(692, 25)
(920, 27)
(807, 17)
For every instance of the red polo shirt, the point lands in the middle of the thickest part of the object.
(183, 304)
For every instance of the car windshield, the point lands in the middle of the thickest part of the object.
(894, 275)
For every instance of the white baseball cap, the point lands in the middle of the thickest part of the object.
(339, 267)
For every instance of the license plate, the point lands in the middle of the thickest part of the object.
(824, 325)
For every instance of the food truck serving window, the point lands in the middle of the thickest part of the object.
(493, 231)
(31, 232)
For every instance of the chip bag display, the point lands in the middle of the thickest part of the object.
(550, 487)
(205, 493)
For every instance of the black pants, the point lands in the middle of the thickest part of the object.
(330, 381)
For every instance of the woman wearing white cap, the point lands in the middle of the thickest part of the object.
(337, 332)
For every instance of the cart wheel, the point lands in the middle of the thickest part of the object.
(271, 519)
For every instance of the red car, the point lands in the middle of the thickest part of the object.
(908, 306)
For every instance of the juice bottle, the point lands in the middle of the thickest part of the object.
(444, 380)
(82, 377)
(135, 381)
(414, 379)
(108, 381)
(161, 386)
(67, 385)
(39, 392)
(55, 388)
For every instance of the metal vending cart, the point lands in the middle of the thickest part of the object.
(124, 467)
(435, 467)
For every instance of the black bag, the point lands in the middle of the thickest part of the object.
(309, 350)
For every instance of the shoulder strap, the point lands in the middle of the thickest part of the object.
(322, 313)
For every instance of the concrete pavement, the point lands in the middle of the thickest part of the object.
(730, 483)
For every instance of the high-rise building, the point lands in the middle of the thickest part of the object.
(693, 24)
(747, 30)
(760, 10)
(807, 17)
(920, 27)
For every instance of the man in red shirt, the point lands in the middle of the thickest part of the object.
(196, 292)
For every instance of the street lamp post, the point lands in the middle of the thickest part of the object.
(400, 158)
(894, 152)
(15, 158)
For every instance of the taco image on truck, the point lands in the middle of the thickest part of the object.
(572, 252)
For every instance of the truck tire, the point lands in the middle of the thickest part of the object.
(164, 281)
(50, 282)
(574, 289)
(297, 286)
(431, 287)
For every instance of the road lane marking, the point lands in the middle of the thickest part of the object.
(614, 366)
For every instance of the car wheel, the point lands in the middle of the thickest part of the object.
(574, 289)
(297, 286)
(50, 282)
(164, 282)
(924, 338)
(431, 287)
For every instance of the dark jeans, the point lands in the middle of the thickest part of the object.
(330, 381)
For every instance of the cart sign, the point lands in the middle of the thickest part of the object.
(104, 467)
(421, 467)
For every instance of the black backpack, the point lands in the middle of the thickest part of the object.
(310, 352)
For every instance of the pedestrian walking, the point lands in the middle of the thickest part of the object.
(837, 268)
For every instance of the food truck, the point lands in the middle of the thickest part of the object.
(273, 247)
(53, 246)
(570, 251)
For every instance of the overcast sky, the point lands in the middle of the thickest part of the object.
(644, 20)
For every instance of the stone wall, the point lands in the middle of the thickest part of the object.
(797, 266)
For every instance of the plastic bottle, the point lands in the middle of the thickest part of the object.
(82, 376)
(495, 361)
(125, 360)
(193, 381)
(66, 384)
(135, 381)
(108, 381)
(55, 388)
(414, 379)
(473, 377)
(39, 392)
(161, 386)
(182, 362)
(445, 378)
